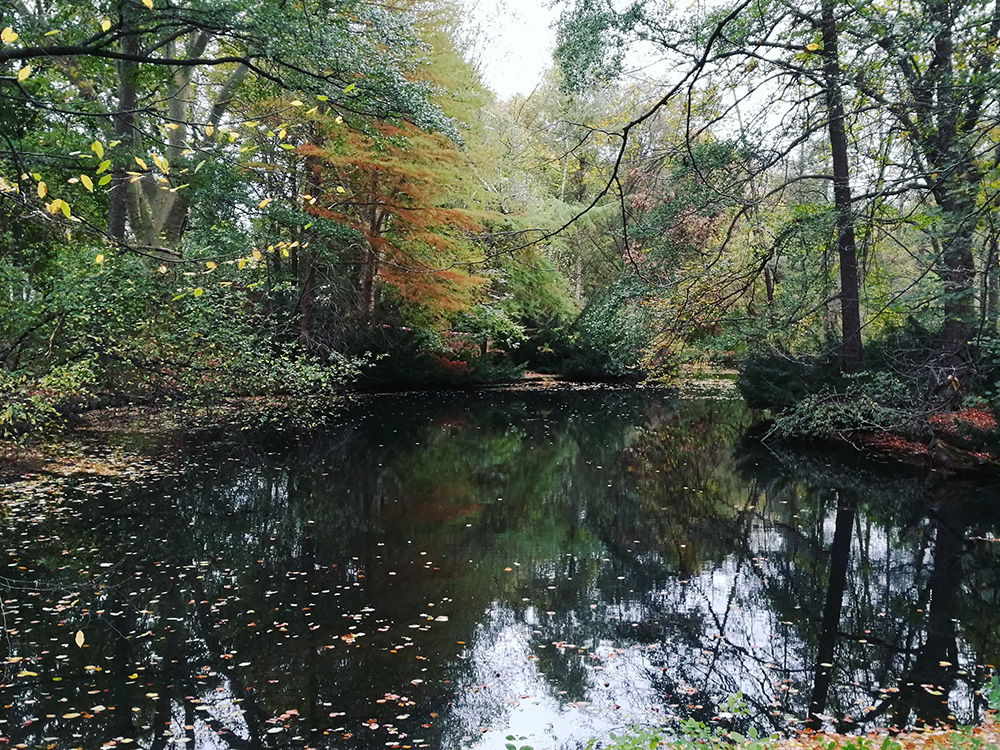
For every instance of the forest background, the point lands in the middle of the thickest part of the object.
(253, 197)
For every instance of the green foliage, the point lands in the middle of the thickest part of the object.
(511, 739)
(608, 338)
(777, 380)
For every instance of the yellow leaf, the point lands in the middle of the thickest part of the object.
(148, 3)
(256, 255)
(211, 265)
(105, 24)
(103, 166)
(200, 165)
(64, 207)
(339, 120)
(104, 180)
(87, 182)
(42, 189)
(171, 126)
(209, 130)
(162, 164)
(8, 35)
(161, 269)
(198, 292)
(240, 263)
(264, 202)
(99, 259)
(282, 133)
(296, 103)
(140, 162)
(813, 47)
(79, 638)
(23, 73)
(71, 715)
(340, 189)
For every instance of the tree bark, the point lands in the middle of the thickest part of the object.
(850, 311)
(124, 121)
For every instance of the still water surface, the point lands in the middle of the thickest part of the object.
(444, 570)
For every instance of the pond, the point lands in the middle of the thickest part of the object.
(443, 570)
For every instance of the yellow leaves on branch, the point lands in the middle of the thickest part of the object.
(98, 149)
(87, 183)
(162, 164)
(57, 206)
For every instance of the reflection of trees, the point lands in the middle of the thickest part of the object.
(624, 515)
(888, 624)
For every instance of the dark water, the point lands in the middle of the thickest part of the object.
(442, 571)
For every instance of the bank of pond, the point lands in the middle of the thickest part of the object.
(448, 569)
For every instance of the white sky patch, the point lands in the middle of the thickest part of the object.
(512, 42)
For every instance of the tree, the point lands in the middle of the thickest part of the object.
(158, 82)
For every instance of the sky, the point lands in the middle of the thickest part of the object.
(512, 42)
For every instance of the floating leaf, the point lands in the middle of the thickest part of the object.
(79, 639)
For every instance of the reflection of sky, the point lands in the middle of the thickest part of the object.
(745, 647)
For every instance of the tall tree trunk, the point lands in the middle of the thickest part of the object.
(850, 311)
(991, 280)
(370, 263)
(124, 121)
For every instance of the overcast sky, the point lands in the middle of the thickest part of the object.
(513, 42)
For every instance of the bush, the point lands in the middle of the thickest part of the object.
(777, 380)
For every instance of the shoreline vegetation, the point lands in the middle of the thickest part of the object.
(985, 736)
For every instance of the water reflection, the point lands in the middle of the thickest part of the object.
(445, 570)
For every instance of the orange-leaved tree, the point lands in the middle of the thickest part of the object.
(398, 188)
